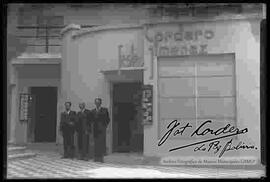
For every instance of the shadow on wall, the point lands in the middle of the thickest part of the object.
(255, 29)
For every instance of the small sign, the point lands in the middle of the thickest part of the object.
(25, 99)
(147, 104)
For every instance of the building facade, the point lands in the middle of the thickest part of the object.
(152, 65)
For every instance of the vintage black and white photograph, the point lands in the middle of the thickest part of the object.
(135, 90)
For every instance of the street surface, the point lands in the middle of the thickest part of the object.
(52, 166)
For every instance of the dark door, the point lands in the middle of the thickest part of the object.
(124, 117)
(45, 113)
(127, 129)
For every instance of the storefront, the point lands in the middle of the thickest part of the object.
(203, 71)
(196, 71)
(151, 77)
(34, 96)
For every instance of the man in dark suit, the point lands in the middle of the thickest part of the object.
(83, 129)
(100, 122)
(67, 128)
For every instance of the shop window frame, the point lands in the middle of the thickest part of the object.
(234, 82)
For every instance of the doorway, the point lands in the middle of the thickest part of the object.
(44, 114)
(127, 118)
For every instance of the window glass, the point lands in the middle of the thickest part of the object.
(176, 68)
(215, 86)
(164, 127)
(214, 125)
(217, 67)
(177, 107)
(174, 87)
(197, 88)
(215, 107)
(50, 21)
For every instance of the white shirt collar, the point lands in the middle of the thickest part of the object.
(83, 110)
(68, 111)
(98, 109)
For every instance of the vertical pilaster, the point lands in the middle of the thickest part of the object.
(14, 108)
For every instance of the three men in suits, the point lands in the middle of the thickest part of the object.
(100, 122)
(83, 128)
(83, 122)
(67, 128)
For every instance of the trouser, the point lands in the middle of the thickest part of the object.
(99, 147)
(69, 149)
(83, 145)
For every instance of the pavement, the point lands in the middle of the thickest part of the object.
(50, 165)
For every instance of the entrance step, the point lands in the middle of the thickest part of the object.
(18, 152)
(21, 156)
(43, 146)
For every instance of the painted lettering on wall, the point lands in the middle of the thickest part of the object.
(169, 43)
(182, 50)
(180, 36)
(128, 57)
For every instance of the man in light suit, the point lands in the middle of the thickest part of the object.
(100, 122)
(83, 128)
(67, 128)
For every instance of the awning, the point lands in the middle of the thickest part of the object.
(124, 74)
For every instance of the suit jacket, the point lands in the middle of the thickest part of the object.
(68, 121)
(100, 120)
(83, 121)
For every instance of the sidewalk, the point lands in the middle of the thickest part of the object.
(52, 149)
(48, 164)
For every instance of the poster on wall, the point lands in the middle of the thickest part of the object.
(147, 104)
(24, 106)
